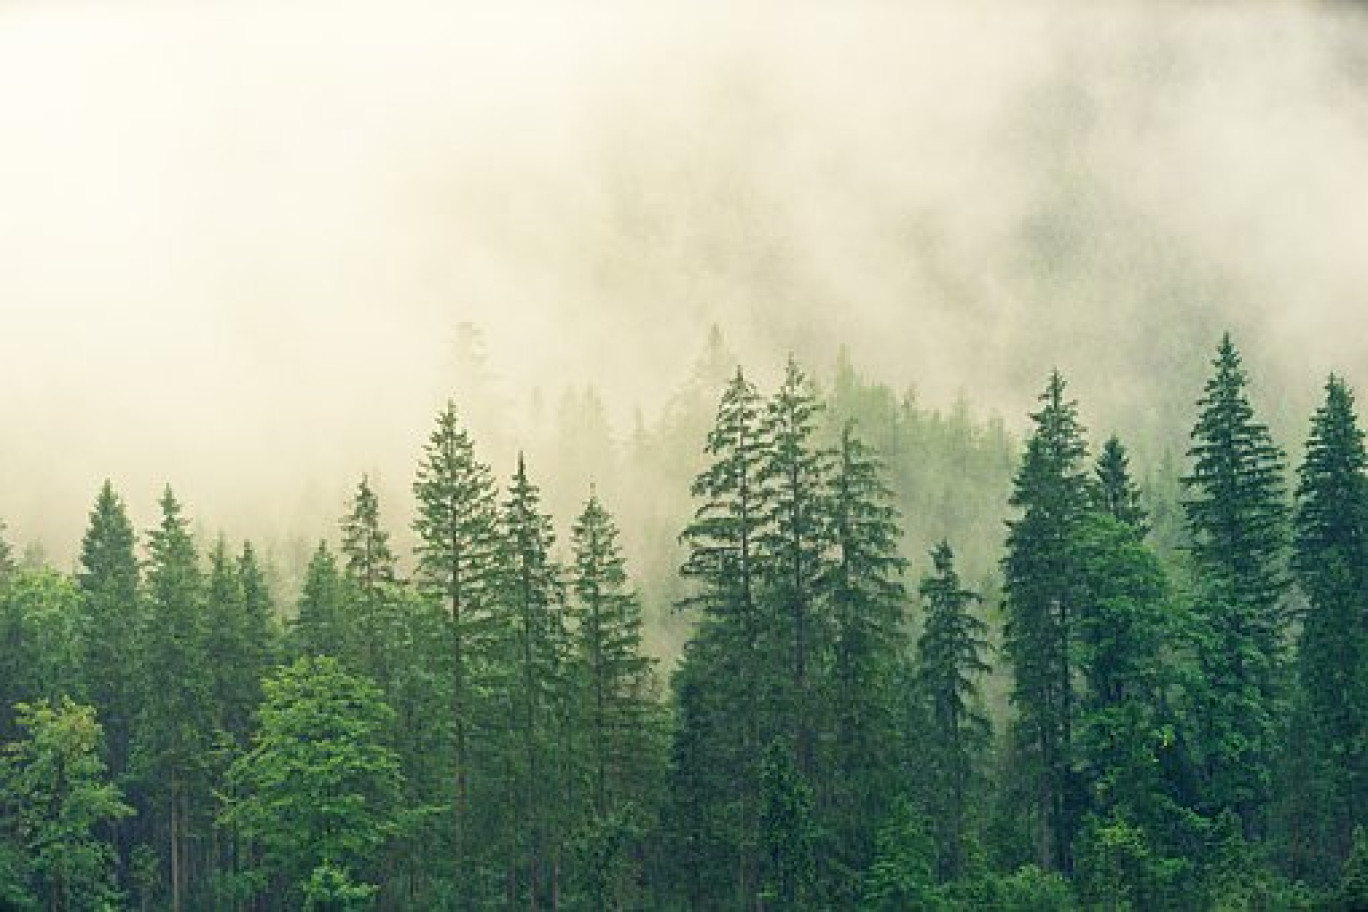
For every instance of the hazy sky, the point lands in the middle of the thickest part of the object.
(236, 239)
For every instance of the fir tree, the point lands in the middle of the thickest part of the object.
(458, 563)
(618, 707)
(108, 576)
(175, 721)
(1331, 562)
(725, 566)
(1117, 494)
(534, 608)
(321, 626)
(867, 600)
(794, 548)
(950, 663)
(1237, 519)
(1043, 589)
(370, 567)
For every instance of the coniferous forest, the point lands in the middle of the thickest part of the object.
(1142, 691)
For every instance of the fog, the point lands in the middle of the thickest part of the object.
(238, 241)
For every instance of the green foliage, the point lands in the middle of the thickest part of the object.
(321, 625)
(319, 785)
(57, 797)
(1331, 561)
(788, 833)
(1044, 595)
(41, 640)
(108, 578)
(1237, 518)
(950, 666)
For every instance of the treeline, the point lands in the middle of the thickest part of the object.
(1183, 729)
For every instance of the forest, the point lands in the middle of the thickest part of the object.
(1139, 692)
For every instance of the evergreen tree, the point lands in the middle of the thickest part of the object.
(618, 706)
(867, 599)
(108, 576)
(725, 565)
(1237, 518)
(58, 797)
(534, 607)
(321, 626)
(794, 546)
(174, 723)
(1117, 494)
(950, 664)
(370, 567)
(1043, 594)
(458, 563)
(1331, 562)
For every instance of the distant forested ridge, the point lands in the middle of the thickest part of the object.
(858, 653)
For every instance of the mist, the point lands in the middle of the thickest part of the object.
(239, 242)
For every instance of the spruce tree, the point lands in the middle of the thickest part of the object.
(794, 548)
(321, 625)
(1331, 562)
(864, 588)
(370, 568)
(175, 723)
(533, 605)
(1117, 494)
(108, 576)
(1237, 519)
(617, 705)
(1043, 594)
(458, 563)
(951, 661)
(724, 563)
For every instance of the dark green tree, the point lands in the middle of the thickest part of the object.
(617, 702)
(321, 625)
(538, 686)
(107, 573)
(458, 565)
(1043, 594)
(794, 547)
(950, 665)
(1331, 563)
(1117, 494)
(175, 720)
(370, 568)
(867, 599)
(1237, 518)
(720, 713)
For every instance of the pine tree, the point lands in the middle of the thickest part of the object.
(175, 722)
(534, 611)
(1331, 562)
(618, 707)
(321, 626)
(370, 567)
(725, 566)
(1237, 519)
(108, 577)
(458, 562)
(1043, 596)
(794, 548)
(950, 663)
(1117, 494)
(867, 601)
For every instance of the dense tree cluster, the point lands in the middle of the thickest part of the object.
(1106, 722)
